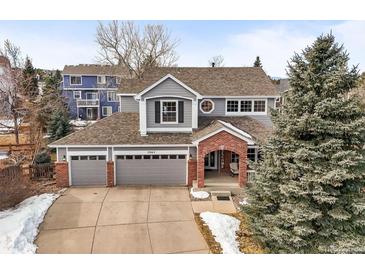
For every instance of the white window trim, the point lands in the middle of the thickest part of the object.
(241, 113)
(103, 110)
(107, 96)
(177, 112)
(206, 112)
(102, 77)
(74, 93)
(76, 84)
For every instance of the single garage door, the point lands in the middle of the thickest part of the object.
(88, 170)
(151, 169)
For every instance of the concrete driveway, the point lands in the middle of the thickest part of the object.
(121, 220)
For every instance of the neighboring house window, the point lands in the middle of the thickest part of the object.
(169, 112)
(75, 80)
(101, 79)
(77, 94)
(251, 154)
(107, 111)
(117, 80)
(259, 106)
(234, 157)
(91, 96)
(245, 106)
(206, 106)
(112, 96)
(232, 106)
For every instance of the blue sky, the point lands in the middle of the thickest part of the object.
(52, 44)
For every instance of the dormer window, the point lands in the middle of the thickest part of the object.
(75, 80)
(169, 112)
(246, 106)
(101, 79)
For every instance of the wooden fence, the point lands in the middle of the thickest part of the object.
(10, 174)
(41, 171)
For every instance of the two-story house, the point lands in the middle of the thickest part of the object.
(175, 126)
(91, 90)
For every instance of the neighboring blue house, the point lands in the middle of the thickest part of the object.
(91, 90)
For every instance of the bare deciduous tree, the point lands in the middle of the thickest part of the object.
(13, 87)
(216, 61)
(123, 44)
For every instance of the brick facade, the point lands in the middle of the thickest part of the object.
(222, 141)
(61, 169)
(192, 165)
(110, 173)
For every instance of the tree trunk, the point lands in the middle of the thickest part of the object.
(16, 128)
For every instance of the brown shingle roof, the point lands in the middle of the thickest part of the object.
(208, 81)
(96, 69)
(123, 129)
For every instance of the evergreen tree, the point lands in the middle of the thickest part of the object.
(257, 63)
(59, 125)
(30, 74)
(308, 193)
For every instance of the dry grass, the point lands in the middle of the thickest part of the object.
(247, 243)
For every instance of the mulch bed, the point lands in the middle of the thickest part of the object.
(247, 243)
(12, 193)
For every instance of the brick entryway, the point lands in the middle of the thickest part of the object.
(223, 141)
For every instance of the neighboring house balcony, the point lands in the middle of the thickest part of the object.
(87, 102)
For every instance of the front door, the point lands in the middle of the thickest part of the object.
(210, 161)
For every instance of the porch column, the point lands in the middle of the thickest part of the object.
(200, 167)
(61, 170)
(110, 173)
(242, 176)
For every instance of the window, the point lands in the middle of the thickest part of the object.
(251, 154)
(77, 94)
(232, 106)
(164, 156)
(101, 79)
(246, 106)
(173, 156)
(259, 106)
(155, 157)
(101, 157)
(107, 111)
(146, 157)
(138, 157)
(120, 157)
(93, 158)
(91, 95)
(129, 157)
(206, 106)
(75, 80)
(84, 158)
(117, 80)
(181, 156)
(74, 158)
(112, 96)
(169, 112)
(234, 157)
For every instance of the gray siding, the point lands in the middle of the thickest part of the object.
(150, 103)
(219, 108)
(168, 88)
(61, 153)
(128, 104)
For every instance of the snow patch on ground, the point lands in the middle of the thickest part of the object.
(19, 225)
(244, 202)
(224, 229)
(199, 194)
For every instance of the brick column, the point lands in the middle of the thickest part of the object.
(110, 173)
(200, 171)
(242, 172)
(61, 170)
(192, 167)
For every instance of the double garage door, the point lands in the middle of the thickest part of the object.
(88, 170)
(150, 169)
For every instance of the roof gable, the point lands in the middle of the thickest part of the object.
(163, 79)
